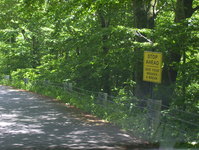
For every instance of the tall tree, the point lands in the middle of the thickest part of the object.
(183, 10)
(144, 16)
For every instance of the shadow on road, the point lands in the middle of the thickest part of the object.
(29, 121)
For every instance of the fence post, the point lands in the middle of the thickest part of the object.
(26, 80)
(70, 87)
(102, 97)
(65, 85)
(7, 77)
(46, 82)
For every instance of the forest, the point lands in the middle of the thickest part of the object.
(98, 45)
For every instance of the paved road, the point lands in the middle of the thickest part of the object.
(30, 121)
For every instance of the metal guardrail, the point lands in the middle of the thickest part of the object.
(143, 117)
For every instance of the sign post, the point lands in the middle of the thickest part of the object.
(152, 70)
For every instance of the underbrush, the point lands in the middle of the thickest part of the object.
(131, 118)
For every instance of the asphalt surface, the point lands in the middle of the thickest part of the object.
(31, 121)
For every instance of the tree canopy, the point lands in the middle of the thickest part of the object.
(98, 45)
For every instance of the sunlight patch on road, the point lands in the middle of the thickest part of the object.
(5, 124)
(16, 98)
(26, 131)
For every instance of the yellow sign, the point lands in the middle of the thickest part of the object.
(152, 70)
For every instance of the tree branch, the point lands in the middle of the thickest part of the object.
(195, 9)
(142, 36)
(24, 36)
(157, 11)
(154, 8)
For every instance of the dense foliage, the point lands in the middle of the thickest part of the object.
(98, 45)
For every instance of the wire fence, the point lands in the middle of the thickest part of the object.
(145, 118)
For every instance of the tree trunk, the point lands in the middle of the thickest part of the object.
(35, 53)
(143, 18)
(183, 10)
(106, 72)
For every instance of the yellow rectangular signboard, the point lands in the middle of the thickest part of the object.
(152, 70)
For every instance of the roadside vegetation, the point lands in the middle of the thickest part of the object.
(97, 46)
